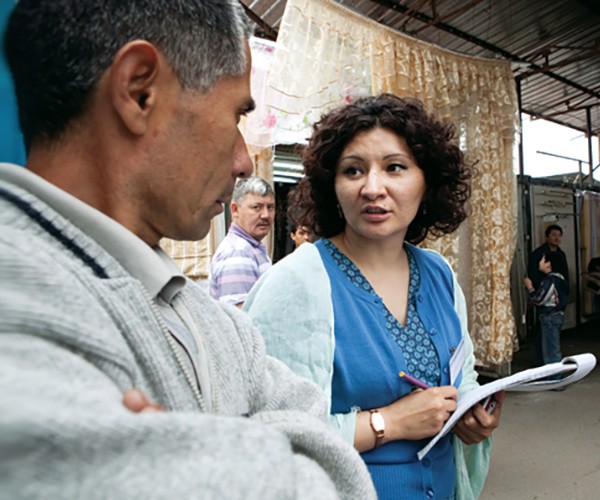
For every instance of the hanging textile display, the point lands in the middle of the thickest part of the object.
(319, 63)
(327, 55)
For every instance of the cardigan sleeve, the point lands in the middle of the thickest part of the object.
(291, 306)
(472, 461)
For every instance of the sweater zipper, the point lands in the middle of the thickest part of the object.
(214, 399)
(176, 352)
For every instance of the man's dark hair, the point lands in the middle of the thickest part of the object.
(58, 50)
(553, 227)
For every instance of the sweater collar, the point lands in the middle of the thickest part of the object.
(150, 265)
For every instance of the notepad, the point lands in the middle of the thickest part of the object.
(527, 380)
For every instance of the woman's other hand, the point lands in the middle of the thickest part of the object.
(477, 424)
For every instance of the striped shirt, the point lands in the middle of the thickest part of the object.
(237, 264)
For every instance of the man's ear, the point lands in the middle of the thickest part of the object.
(233, 208)
(134, 84)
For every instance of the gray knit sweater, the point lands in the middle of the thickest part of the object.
(76, 332)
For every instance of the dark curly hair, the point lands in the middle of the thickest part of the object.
(433, 144)
(296, 213)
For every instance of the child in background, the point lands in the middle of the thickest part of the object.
(550, 300)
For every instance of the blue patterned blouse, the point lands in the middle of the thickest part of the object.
(419, 353)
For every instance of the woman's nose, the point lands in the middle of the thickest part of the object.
(373, 186)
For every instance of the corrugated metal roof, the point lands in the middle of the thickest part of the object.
(554, 44)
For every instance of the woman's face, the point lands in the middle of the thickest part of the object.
(378, 185)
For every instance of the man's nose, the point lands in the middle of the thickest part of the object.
(242, 164)
(266, 213)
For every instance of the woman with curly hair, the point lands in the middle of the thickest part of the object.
(364, 303)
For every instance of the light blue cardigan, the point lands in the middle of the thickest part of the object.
(291, 305)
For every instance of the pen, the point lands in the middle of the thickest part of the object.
(414, 381)
(489, 404)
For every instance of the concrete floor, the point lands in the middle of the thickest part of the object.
(548, 443)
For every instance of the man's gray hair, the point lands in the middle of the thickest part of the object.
(58, 50)
(252, 185)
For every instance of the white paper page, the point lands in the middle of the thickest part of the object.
(526, 380)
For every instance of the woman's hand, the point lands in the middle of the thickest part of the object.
(476, 424)
(420, 414)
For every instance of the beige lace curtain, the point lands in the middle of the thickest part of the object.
(327, 54)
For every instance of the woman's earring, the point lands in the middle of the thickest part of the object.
(423, 209)
(340, 213)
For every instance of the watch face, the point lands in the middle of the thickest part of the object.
(377, 422)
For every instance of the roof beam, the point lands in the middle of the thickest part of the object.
(268, 30)
(456, 12)
(394, 5)
(571, 109)
(418, 4)
(424, 18)
(565, 62)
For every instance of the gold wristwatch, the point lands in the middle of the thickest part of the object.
(378, 426)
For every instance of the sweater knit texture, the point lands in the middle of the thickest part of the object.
(77, 331)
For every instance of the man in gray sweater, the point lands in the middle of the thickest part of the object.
(129, 110)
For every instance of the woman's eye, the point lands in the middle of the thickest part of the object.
(396, 167)
(350, 171)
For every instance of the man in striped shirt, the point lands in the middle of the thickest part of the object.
(241, 257)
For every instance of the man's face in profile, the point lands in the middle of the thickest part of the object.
(197, 157)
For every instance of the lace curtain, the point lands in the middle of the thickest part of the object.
(259, 126)
(327, 54)
(319, 63)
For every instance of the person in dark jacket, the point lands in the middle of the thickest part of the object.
(554, 234)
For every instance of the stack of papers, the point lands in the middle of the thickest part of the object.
(527, 380)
